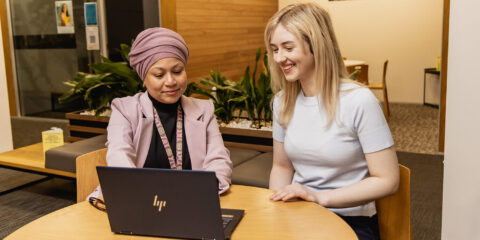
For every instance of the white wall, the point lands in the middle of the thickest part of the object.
(461, 192)
(407, 32)
(6, 142)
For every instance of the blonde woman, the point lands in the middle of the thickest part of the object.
(332, 144)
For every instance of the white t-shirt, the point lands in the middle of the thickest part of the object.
(332, 157)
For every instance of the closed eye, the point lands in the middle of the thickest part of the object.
(177, 71)
(273, 47)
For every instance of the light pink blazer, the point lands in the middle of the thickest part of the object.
(130, 132)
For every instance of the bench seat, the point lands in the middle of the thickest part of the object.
(64, 157)
(250, 167)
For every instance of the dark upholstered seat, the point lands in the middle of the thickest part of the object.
(64, 157)
(239, 156)
(250, 167)
(254, 172)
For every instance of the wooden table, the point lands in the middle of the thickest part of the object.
(264, 219)
(30, 159)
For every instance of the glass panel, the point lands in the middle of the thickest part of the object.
(49, 51)
(44, 58)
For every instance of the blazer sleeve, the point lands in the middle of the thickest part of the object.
(121, 151)
(217, 157)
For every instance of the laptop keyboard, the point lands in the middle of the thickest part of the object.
(226, 220)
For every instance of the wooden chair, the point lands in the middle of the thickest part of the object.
(383, 86)
(87, 179)
(394, 211)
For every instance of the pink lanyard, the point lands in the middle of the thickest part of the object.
(165, 142)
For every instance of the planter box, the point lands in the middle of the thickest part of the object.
(260, 140)
(85, 126)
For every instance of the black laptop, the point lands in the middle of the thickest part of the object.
(166, 203)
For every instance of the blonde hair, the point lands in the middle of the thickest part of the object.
(311, 23)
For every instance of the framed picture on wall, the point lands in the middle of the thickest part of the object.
(64, 17)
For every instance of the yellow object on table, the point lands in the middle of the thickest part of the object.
(52, 138)
(439, 62)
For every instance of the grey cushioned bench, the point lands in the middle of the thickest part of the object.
(64, 157)
(254, 172)
(239, 155)
(250, 167)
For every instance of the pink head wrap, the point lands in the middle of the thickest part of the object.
(154, 44)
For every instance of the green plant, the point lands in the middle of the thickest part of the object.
(225, 94)
(250, 94)
(257, 92)
(109, 80)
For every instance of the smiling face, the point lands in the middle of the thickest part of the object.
(166, 80)
(292, 55)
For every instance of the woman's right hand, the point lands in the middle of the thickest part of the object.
(293, 191)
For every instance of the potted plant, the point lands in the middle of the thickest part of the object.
(257, 94)
(109, 80)
(225, 94)
(251, 94)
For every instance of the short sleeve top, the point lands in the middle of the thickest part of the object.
(329, 157)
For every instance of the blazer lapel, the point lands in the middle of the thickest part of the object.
(146, 105)
(195, 131)
(145, 127)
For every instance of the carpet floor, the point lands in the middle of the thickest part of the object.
(426, 188)
(27, 204)
(414, 127)
(10, 179)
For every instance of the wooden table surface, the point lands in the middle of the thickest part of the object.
(30, 158)
(263, 219)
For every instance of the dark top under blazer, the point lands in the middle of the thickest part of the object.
(157, 156)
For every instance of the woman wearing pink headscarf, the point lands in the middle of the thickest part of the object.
(161, 128)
